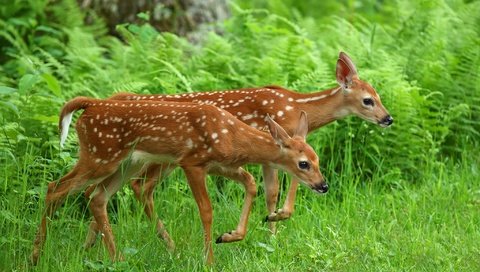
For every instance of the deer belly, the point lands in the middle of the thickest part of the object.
(145, 157)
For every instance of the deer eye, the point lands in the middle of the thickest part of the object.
(304, 165)
(368, 102)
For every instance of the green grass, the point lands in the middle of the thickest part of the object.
(425, 225)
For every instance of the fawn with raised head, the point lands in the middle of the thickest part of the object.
(119, 139)
(352, 96)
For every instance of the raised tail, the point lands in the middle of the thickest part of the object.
(78, 103)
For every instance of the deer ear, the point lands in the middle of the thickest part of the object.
(348, 61)
(344, 74)
(302, 128)
(278, 133)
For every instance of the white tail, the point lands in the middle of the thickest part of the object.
(200, 139)
(66, 120)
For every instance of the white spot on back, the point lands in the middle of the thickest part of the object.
(189, 143)
(247, 117)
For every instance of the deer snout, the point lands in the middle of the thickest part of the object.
(321, 187)
(387, 121)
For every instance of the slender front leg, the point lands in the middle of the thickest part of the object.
(247, 180)
(270, 176)
(289, 205)
(196, 181)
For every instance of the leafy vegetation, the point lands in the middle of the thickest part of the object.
(406, 197)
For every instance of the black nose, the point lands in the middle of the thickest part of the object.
(387, 120)
(322, 187)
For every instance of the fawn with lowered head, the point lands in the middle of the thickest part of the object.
(352, 96)
(119, 139)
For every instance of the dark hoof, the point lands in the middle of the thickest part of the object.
(219, 240)
(266, 219)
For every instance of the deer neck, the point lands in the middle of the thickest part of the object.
(323, 107)
(260, 147)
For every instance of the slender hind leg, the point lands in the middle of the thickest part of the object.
(98, 205)
(154, 175)
(247, 180)
(73, 182)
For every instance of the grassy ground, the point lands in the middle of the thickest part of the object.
(431, 224)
